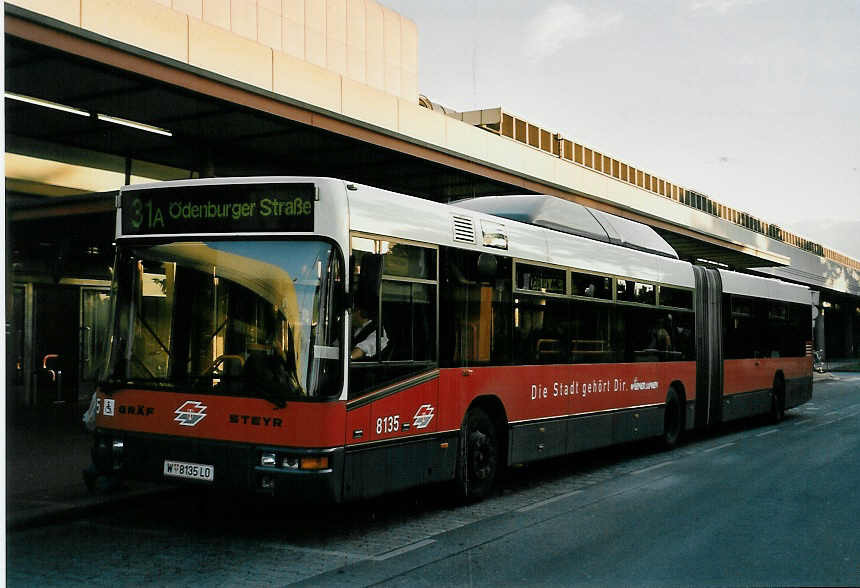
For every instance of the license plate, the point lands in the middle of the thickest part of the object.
(189, 471)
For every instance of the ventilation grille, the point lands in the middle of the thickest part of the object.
(464, 229)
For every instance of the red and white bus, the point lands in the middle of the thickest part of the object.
(322, 340)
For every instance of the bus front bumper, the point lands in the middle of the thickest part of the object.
(294, 474)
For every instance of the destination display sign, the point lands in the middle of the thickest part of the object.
(219, 208)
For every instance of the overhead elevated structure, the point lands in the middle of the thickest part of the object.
(273, 105)
(505, 124)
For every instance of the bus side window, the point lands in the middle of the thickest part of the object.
(794, 344)
(591, 335)
(368, 340)
(365, 277)
(541, 329)
(394, 290)
(744, 327)
(476, 309)
(409, 319)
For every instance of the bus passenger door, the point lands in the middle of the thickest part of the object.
(394, 450)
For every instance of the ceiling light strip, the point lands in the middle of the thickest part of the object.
(46, 104)
(135, 125)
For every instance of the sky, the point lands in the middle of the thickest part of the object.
(755, 103)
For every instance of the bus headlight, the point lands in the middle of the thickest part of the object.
(272, 459)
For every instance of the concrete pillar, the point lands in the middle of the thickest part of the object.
(819, 331)
(817, 321)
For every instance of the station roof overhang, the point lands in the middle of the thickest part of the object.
(223, 127)
(698, 250)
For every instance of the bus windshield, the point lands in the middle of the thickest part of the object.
(242, 318)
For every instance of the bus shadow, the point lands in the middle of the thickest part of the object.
(555, 470)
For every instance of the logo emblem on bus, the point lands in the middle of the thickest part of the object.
(190, 413)
(423, 417)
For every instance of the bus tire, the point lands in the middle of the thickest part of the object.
(777, 399)
(479, 457)
(673, 420)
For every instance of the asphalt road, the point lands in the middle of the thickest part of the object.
(754, 504)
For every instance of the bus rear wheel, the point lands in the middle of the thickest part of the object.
(673, 420)
(777, 400)
(476, 472)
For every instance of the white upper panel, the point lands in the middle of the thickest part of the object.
(747, 285)
(345, 206)
(388, 214)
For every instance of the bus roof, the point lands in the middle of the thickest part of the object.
(747, 285)
(376, 211)
(575, 219)
(537, 228)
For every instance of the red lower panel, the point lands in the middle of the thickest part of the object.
(246, 420)
(526, 392)
(746, 375)
(541, 391)
(407, 413)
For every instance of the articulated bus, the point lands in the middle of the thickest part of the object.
(320, 340)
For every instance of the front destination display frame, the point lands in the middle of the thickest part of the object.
(247, 208)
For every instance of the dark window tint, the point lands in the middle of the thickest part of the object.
(742, 307)
(541, 329)
(777, 312)
(744, 331)
(756, 327)
(655, 335)
(409, 261)
(676, 297)
(591, 334)
(409, 320)
(476, 310)
(799, 330)
(540, 279)
(789, 327)
(631, 291)
(590, 285)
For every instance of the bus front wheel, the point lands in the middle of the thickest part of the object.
(479, 456)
